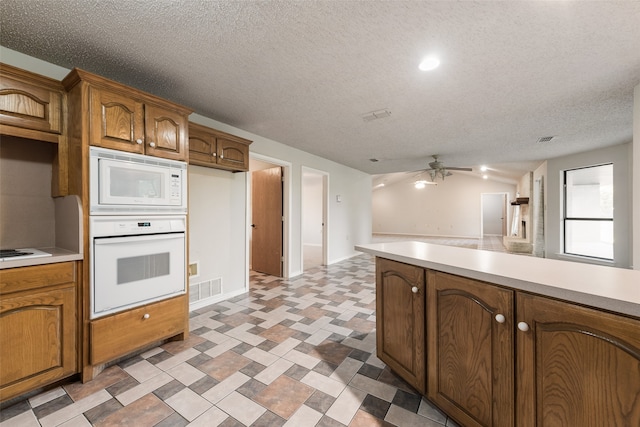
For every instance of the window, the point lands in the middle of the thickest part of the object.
(588, 211)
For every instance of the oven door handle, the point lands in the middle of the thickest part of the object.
(137, 238)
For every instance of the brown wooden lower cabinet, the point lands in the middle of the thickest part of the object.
(470, 353)
(37, 327)
(125, 332)
(576, 366)
(400, 293)
(501, 357)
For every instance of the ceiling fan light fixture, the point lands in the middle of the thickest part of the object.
(420, 184)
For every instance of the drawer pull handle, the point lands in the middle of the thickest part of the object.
(414, 289)
(523, 326)
(138, 141)
(146, 316)
(500, 318)
(152, 144)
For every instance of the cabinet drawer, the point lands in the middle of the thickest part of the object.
(37, 276)
(123, 333)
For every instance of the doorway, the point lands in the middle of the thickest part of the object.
(494, 214)
(267, 221)
(314, 218)
(268, 252)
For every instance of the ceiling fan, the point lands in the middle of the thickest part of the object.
(438, 169)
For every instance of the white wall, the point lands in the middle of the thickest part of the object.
(348, 222)
(620, 156)
(451, 208)
(216, 238)
(636, 179)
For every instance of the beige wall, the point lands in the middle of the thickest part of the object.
(27, 212)
(452, 208)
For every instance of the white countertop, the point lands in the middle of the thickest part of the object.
(57, 255)
(607, 288)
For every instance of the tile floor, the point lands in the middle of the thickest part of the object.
(297, 352)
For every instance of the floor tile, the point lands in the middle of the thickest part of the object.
(188, 404)
(284, 396)
(242, 409)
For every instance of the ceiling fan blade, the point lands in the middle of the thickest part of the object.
(459, 169)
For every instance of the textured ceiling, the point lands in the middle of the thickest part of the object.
(304, 73)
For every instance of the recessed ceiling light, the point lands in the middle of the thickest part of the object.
(429, 63)
(485, 176)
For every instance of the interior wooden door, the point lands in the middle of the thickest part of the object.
(266, 212)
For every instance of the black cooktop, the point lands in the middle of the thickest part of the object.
(8, 253)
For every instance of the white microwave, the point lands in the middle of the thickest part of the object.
(125, 183)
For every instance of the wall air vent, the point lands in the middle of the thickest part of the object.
(545, 139)
(380, 114)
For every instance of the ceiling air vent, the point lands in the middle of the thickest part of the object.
(380, 114)
(545, 139)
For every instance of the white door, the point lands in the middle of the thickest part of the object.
(493, 214)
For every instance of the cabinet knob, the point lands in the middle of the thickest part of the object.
(215, 154)
(500, 318)
(146, 316)
(138, 141)
(152, 144)
(523, 326)
(222, 156)
(414, 289)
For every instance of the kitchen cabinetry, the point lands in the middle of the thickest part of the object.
(575, 365)
(498, 355)
(470, 359)
(134, 329)
(212, 148)
(400, 334)
(111, 115)
(32, 107)
(37, 326)
(122, 118)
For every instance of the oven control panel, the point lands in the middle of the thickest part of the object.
(120, 226)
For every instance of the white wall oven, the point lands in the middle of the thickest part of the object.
(124, 183)
(135, 261)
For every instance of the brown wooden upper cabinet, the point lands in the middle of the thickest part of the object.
(123, 118)
(31, 105)
(215, 149)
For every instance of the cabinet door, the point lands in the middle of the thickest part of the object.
(470, 360)
(38, 335)
(400, 303)
(233, 155)
(30, 106)
(166, 133)
(202, 147)
(576, 366)
(117, 122)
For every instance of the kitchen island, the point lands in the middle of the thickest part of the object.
(497, 339)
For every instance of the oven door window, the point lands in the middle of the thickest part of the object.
(134, 270)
